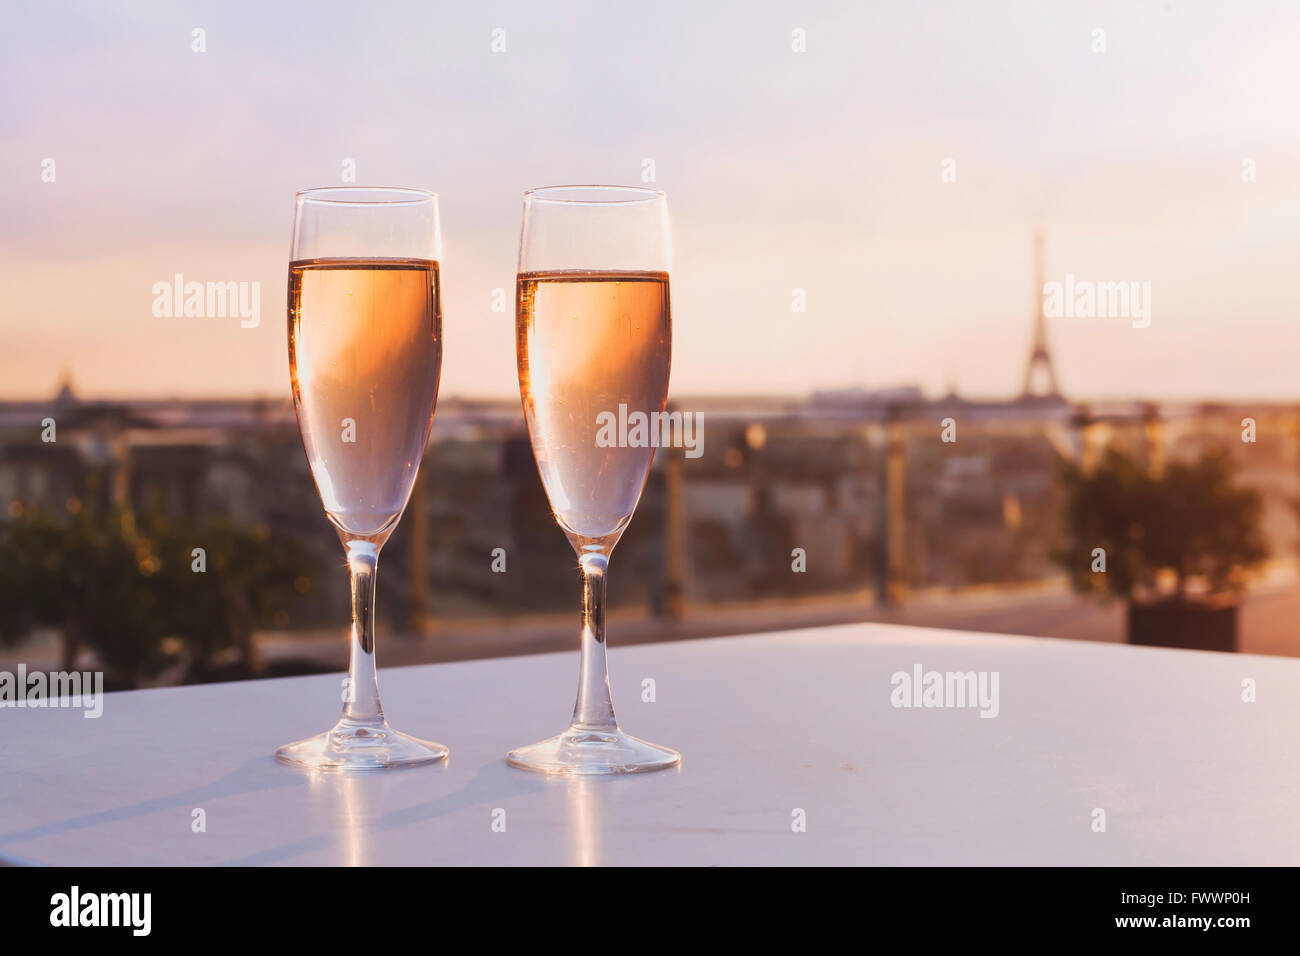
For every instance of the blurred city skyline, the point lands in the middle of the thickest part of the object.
(1130, 160)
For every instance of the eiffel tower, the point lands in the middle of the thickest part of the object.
(1040, 360)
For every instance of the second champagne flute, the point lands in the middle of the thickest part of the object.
(593, 336)
(365, 354)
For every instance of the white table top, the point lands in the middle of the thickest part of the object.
(1186, 772)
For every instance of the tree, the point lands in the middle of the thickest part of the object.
(92, 577)
(1192, 525)
(131, 590)
(247, 579)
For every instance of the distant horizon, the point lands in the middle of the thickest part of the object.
(927, 395)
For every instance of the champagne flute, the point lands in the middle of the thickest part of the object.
(594, 339)
(365, 354)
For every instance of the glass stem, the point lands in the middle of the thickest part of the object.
(594, 711)
(361, 702)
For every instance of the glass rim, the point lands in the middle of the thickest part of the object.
(396, 195)
(634, 195)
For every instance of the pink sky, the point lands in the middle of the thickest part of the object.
(784, 170)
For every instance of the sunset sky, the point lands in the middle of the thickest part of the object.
(817, 170)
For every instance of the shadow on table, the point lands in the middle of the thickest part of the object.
(347, 809)
(256, 775)
(350, 804)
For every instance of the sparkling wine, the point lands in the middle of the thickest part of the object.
(588, 343)
(365, 353)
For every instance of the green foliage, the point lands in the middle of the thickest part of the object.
(1192, 524)
(91, 579)
(131, 592)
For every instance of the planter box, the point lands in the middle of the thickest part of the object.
(1195, 625)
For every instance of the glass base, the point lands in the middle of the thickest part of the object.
(357, 746)
(593, 753)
